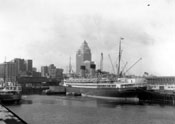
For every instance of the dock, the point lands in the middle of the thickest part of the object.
(9, 117)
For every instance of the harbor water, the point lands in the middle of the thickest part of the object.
(42, 109)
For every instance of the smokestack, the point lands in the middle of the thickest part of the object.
(82, 68)
(92, 70)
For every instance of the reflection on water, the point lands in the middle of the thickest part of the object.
(36, 109)
(70, 100)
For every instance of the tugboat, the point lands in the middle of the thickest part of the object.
(10, 93)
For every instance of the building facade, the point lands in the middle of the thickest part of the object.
(83, 54)
(29, 65)
(44, 71)
(11, 70)
(52, 72)
(161, 83)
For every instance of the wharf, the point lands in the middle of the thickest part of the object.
(9, 117)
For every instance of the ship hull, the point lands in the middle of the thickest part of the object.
(156, 95)
(105, 92)
(10, 98)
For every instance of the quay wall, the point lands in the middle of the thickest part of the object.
(9, 117)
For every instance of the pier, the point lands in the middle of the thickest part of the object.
(9, 117)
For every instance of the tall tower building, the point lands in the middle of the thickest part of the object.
(29, 65)
(83, 54)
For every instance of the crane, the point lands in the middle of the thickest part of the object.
(119, 56)
(124, 68)
(111, 63)
(133, 65)
(101, 62)
(70, 66)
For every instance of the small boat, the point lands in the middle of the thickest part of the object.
(10, 93)
(55, 90)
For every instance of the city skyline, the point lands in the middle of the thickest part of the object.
(52, 31)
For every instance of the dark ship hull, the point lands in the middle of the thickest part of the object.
(105, 92)
(10, 97)
(157, 96)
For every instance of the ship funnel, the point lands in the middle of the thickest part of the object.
(92, 70)
(82, 68)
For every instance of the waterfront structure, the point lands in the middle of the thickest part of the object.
(159, 89)
(161, 83)
(36, 74)
(9, 117)
(83, 54)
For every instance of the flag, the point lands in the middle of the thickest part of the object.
(121, 38)
(146, 73)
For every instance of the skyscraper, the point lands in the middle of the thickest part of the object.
(83, 54)
(29, 65)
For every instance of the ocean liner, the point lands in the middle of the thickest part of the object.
(123, 87)
(104, 87)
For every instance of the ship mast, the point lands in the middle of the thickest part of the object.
(5, 70)
(119, 56)
(70, 66)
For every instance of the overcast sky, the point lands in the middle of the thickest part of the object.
(50, 31)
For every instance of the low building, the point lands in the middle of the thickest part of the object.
(161, 83)
(52, 72)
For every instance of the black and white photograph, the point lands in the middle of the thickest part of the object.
(87, 62)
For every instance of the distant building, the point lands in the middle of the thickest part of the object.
(59, 73)
(2, 71)
(87, 65)
(52, 72)
(20, 65)
(44, 71)
(161, 82)
(29, 65)
(8, 71)
(83, 54)
(34, 69)
(16, 68)
(36, 74)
